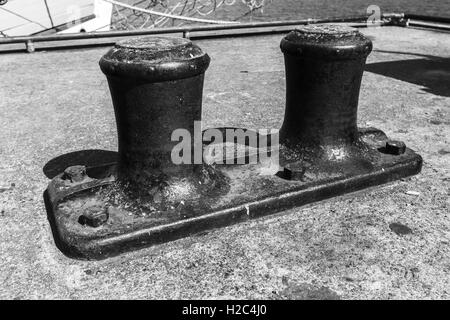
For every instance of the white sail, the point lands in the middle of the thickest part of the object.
(25, 17)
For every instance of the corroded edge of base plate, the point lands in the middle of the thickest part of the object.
(88, 248)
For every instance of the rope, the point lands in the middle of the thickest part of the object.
(168, 15)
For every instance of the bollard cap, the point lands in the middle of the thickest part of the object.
(155, 59)
(328, 42)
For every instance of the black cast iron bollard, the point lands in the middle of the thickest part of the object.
(324, 67)
(156, 85)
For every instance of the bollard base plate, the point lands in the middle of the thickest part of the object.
(250, 195)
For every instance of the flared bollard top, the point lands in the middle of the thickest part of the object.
(328, 42)
(155, 59)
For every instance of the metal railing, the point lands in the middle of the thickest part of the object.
(207, 31)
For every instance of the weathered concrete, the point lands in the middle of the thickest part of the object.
(57, 102)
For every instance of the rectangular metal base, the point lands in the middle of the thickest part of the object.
(250, 196)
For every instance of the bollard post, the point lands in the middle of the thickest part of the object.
(156, 85)
(324, 66)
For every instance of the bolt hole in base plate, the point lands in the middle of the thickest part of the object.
(108, 229)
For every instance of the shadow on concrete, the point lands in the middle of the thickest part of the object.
(88, 158)
(431, 72)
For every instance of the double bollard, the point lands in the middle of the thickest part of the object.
(156, 85)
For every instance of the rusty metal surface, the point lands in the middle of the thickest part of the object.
(146, 199)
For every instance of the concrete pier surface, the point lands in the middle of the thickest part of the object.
(386, 242)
